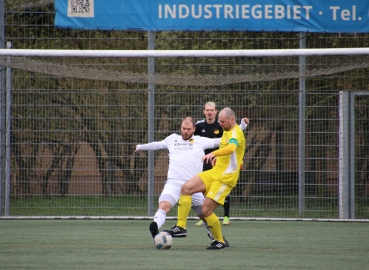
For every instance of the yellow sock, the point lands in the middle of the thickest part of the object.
(184, 208)
(214, 226)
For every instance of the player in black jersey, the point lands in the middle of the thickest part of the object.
(210, 128)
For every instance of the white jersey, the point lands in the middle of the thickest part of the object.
(185, 156)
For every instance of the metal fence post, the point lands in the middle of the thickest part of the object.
(344, 156)
(352, 153)
(302, 107)
(8, 134)
(2, 112)
(150, 126)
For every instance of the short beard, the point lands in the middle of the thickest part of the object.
(185, 139)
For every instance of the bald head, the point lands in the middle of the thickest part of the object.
(227, 119)
(228, 113)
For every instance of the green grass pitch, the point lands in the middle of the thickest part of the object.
(127, 244)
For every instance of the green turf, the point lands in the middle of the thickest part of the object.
(126, 244)
(138, 206)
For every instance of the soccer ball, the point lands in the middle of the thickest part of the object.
(163, 240)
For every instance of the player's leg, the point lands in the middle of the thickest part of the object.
(205, 167)
(226, 207)
(164, 208)
(214, 197)
(192, 186)
(211, 218)
(197, 201)
(168, 198)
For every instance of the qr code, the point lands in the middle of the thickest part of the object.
(81, 8)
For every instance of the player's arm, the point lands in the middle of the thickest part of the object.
(244, 122)
(211, 143)
(151, 146)
(229, 149)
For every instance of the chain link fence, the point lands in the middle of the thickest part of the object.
(73, 137)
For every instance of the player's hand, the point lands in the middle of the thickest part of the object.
(246, 120)
(208, 158)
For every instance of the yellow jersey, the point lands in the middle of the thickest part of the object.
(227, 168)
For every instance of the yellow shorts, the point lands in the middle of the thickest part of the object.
(215, 189)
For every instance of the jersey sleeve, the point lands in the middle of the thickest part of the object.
(211, 143)
(234, 141)
(229, 149)
(152, 146)
(242, 125)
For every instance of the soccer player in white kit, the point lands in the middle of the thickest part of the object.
(185, 161)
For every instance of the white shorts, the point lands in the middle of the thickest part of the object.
(172, 191)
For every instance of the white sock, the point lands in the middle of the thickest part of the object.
(207, 228)
(159, 217)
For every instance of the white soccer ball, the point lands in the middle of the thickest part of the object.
(163, 240)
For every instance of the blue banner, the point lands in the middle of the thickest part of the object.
(332, 16)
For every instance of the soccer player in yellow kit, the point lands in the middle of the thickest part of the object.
(216, 183)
